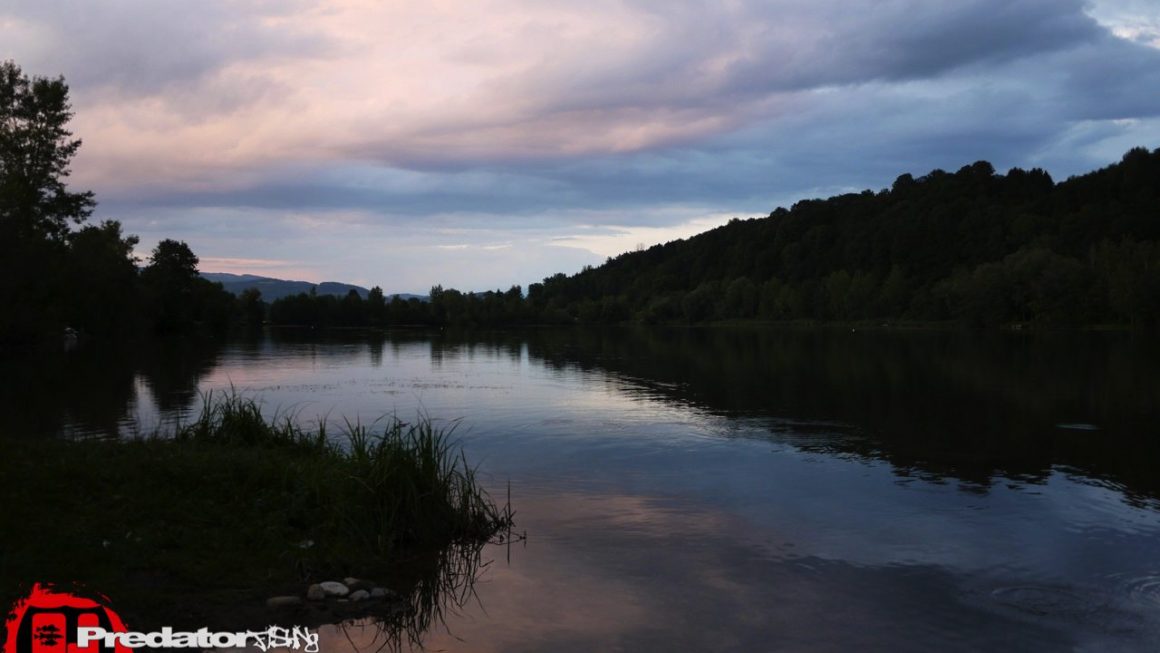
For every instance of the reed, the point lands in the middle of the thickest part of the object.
(385, 485)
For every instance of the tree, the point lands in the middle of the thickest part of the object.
(251, 307)
(173, 261)
(351, 310)
(36, 209)
(376, 307)
(102, 279)
(170, 282)
(35, 152)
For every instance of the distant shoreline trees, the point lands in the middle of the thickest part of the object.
(440, 308)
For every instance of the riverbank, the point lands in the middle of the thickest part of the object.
(233, 509)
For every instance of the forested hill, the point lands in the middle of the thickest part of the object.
(971, 246)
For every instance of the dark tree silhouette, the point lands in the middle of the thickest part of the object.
(102, 279)
(251, 307)
(53, 273)
(36, 208)
(179, 298)
(36, 149)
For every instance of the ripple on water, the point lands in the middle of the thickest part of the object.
(1077, 426)
(1110, 614)
(1045, 600)
(1143, 590)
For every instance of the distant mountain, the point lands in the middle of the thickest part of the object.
(273, 289)
(406, 296)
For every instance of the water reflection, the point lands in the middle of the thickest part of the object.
(172, 370)
(102, 389)
(641, 573)
(970, 407)
(438, 585)
(934, 404)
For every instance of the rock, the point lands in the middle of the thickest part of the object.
(356, 584)
(333, 588)
(360, 595)
(283, 601)
(316, 593)
(381, 593)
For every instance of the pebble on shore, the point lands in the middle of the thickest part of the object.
(352, 589)
(334, 588)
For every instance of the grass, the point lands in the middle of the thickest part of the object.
(402, 484)
(233, 508)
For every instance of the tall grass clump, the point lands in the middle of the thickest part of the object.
(382, 487)
(231, 418)
(412, 484)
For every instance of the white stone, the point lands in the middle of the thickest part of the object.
(360, 595)
(334, 588)
(315, 592)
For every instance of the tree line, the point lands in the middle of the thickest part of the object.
(440, 308)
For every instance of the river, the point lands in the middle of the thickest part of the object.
(728, 489)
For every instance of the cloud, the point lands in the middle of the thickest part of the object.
(748, 50)
(231, 85)
(1134, 20)
(222, 263)
(613, 240)
(131, 48)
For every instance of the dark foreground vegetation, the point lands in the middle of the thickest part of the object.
(192, 529)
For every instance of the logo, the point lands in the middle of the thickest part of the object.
(48, 621)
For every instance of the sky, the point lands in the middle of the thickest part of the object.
(484, 144)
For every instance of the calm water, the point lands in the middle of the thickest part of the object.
(733, 490)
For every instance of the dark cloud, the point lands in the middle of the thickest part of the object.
(143, 48)
(703, 55)
(911, 40)
(948, 83)
(1108, 80)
